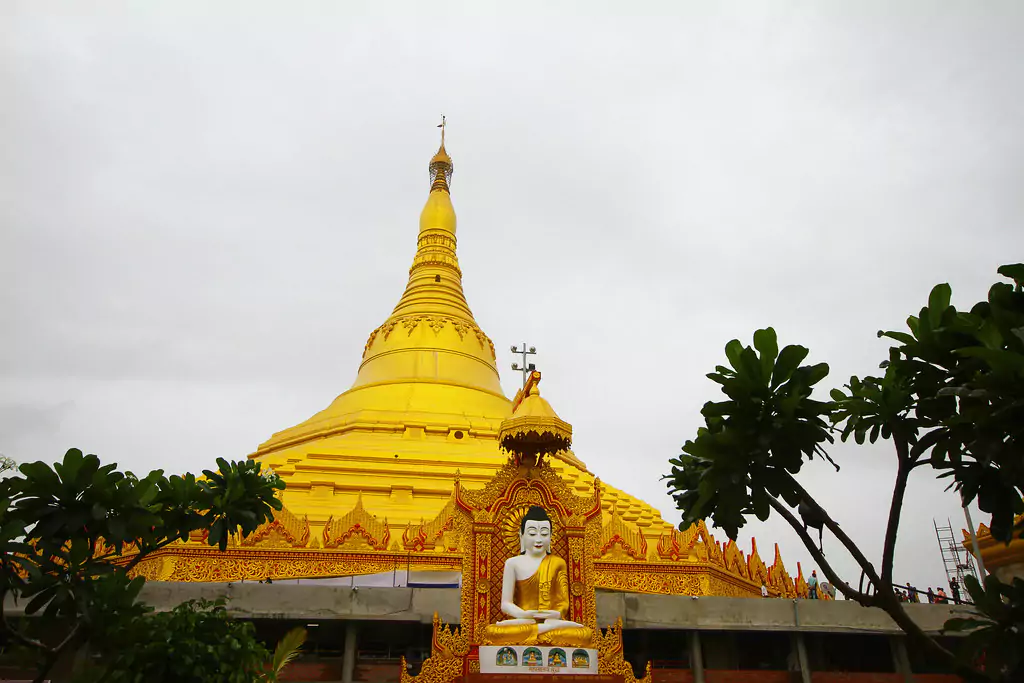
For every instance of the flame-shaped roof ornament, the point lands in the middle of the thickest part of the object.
(534, 430)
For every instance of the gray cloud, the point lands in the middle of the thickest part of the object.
(205, 209)
(18, 421)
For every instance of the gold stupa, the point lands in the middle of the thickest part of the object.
(370, 478)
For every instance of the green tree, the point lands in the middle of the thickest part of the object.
(950, 397)
(71, 534)
(196, 641)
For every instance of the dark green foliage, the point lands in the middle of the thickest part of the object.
(966, 371)
(951, 397)
(754, 442)
(63, 528)
(996, 638)
(196, 641)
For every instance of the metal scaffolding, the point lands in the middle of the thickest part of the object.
(955, 558)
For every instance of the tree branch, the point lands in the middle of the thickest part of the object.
(49, 654)
(918, 463)
(895, 510)
(895, 610)
(15, 634)
(840, 535)
(884, 598)
(51, 657)
(823, 564)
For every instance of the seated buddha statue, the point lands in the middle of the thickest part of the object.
(535, 593)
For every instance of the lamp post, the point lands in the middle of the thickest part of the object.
(526, 367)
(974, 540)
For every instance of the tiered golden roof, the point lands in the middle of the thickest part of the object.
(1005, 560)
(370, 478)
(534, 429)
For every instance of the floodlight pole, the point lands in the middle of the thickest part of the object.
(974, 540)
(526, 367)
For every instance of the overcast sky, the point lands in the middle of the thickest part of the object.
(207, 206)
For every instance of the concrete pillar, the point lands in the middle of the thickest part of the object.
(348, 664)
(901, 658)
(802, 660)
(696, 656)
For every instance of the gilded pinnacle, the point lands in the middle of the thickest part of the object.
(441, 166)
(534, 428)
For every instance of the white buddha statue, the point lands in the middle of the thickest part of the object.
(535, 593)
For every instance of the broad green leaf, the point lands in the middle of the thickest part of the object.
(750, 370)
(997, 359)
(788, 361)
(733, 350)
(988, 334)
(767, 344)
(938, 302)
(901, 337)
(1013, 271)
(816, 373)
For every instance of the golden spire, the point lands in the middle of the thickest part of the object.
(429, 365)
(441, 167)
(439, 341)
(435, 279)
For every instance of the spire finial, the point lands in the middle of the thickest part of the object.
(441, 166)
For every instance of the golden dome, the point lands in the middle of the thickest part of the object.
(534, 428)
(442, 158)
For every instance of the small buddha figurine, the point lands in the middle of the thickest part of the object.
(535, 593)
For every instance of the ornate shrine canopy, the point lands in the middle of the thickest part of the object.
(1005, 560)
(372, 481)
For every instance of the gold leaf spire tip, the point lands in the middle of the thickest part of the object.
(441, 166)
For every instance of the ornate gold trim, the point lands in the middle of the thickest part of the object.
(285, 531)
(436, 323)
(610, 656)
(422, 536)
(620, 539)
(357, 530)
(194, 562)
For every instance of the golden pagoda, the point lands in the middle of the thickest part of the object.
(1004, 560)
(370, 480)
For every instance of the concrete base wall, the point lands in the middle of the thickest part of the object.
(711, 613)
(671, 623)
(637, 611)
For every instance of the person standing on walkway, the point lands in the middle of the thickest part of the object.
(812, 585)
(954, 588)
(764, 590)
(931, 596)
